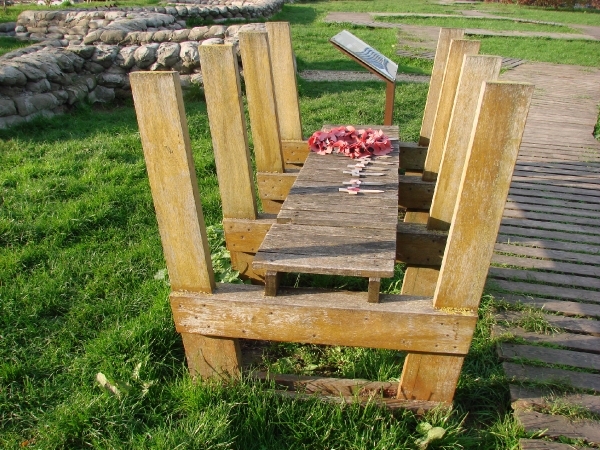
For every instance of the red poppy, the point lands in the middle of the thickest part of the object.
(350, 142)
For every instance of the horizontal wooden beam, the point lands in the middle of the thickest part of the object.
(245, 235)
(294, 152)
(324, 317)
(275, 186)
(416, 245)
(412, 156)
(414, 193)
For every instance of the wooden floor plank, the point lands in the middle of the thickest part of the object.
(538, 444)
(564, 307)
(569, 324)
(579, 380)
(577, 342)
(544, 277)
(549, 355)
(547, 253)
(516, 230)
(551, 217)
(548, 245)
(548, 264)
(525, 397)
(556, 426)
(543, 290)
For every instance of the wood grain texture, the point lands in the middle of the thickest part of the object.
(495, 141)
(458, 49)
(373, 290)
(416, 216)
(556, 426)
(537, 444)
(420, 280)
(294, 152)
(574, 325)
(283, 65)
(417, 245)
(228, 130)
(262, 108)
(275, 186)
(167, 151)
(319, 317)
(475, 70)
(243, 235)
(580, 380)
(414, 193)
(579, 342)
(412, 156)
(564, 307)
(437, 76)
(430, 377)
(525, 397)
(242, 262)
(508, 351)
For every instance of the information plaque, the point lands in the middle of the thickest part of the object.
(365, 54)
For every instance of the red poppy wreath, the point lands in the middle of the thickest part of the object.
(350, 142)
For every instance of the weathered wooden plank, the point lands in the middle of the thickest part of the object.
(550, 217)
(431, 377)
(340, 219)
(294, 152)
(475, 70)
(570, 324)
(537, 444)
(563, 208)
(546, 291)
(167, 151)
(544, 234)
(584, 185)
(551, 191)
(275, 186)
(547, 264)
(243, 235)
(435, 84)
(458, 49)
(579, 342)
(562, 306)
(415, 193)
(318, 317)
(580, 230)
(417, 245)
(546, 253)
(412, 156)
(242, 262)
(556, 426)
(228, 130)
(496, 136)
(544, 277)
(527, 397)
(549, 245)
(262, 108)
(580, 380)
(549, 355)
(283, 65)
(420, 280)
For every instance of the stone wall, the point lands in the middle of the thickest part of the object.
(87, 55)
(45, 79)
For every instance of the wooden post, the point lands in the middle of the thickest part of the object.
(435, 85)
(390, 95)
(475, 70)
(495, 140)
(167, 151)
(458, 49)
(228, 130)
(283, 65)
(254, 48)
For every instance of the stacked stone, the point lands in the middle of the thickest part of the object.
(44, 79)
(7, 29)
(75, 25)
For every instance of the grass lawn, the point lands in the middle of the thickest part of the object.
(83, 289)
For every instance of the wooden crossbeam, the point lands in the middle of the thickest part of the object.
(416, 245)
(414, 193)
(412, 156)
(323, 317)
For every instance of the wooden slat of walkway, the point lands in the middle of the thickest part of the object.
(547, 254)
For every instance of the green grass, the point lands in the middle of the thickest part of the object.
(9, 44)
(486, 24)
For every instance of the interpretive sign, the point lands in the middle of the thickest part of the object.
(365, 54)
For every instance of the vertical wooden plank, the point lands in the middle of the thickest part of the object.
(475, 70)
(429, 377)
(435, 85)
(283, 63)
(493, 148)
(458, 49)
(374, 289)
(228, 130)
(254, 48)
(390, 95)
(167, 151)
(420, 281)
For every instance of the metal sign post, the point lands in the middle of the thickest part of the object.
(374, 62)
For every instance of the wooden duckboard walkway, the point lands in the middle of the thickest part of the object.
(548, 256)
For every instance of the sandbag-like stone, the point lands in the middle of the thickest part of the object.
(83, 51)
(7, 27)
(93, 67)
(212, 41)
(102, 94)
(27, 105)
(162, 36)
(189, 55)
(180, 35)
(168, 54)
(125, 58)
(76, 93)
(10, 121)
(216, 31)
(11, 76)
(105, 55)
(91, 37)
(113, 36)
(7, 108)
(38, 87)
(145, 55)
(29, 70)
(197, 33)
(112, 80)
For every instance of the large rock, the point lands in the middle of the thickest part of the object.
(145, 55)
(11, 76)
(125, 58)
(113, 80)
(105, 55)
(10, 121)
(102, 94)
(180, 35)
(7, 107)
(197, 33)
(76, 93)
(30, 104)
(168, 54)
(114, 36)
(83, 51)
(189, 55)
